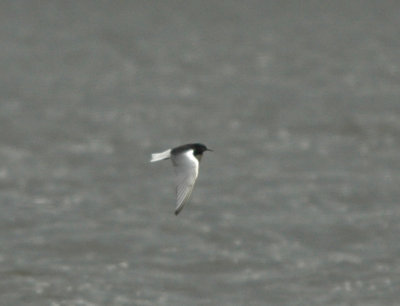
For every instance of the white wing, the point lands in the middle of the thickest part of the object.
(186, 169)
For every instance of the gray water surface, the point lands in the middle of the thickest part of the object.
(299, 203)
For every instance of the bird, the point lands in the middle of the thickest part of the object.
(185, 159)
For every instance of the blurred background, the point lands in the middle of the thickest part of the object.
(297, 205)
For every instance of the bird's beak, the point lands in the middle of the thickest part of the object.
(209, 150)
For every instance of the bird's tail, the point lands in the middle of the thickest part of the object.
(160, 156)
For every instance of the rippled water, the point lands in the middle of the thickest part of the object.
(299, 203)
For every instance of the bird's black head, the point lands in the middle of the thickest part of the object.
(199, 148)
